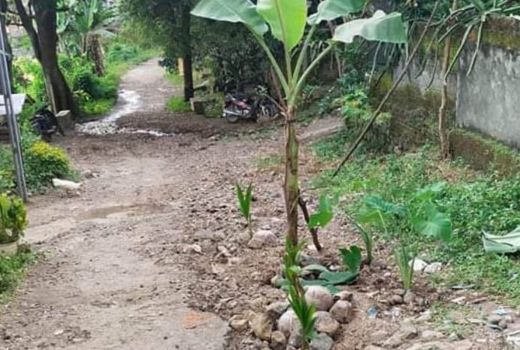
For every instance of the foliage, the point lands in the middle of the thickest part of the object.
(352, 258)
(245, 199)
(178, 105)
(13, 219)
(405, 259)
(474, 201)
(324, 215)
(44, 162)
(12, 270)
(28, 78)
(306, 313)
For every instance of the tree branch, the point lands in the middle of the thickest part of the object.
(379, 109)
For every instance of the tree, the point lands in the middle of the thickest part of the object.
(84, 24)
(287, 20)
(172, 29)
(39, 20)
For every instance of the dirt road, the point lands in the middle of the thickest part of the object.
(110, 277)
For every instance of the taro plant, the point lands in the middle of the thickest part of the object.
(245, 198)
(352, 258)
(405, 259)
(305, 312)
(323, 215)
(287, 21)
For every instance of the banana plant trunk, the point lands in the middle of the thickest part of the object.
(291, 186)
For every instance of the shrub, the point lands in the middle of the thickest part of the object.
(178, 105)
(28, 78)
(44, 162)
(13, 218)
(11, 271)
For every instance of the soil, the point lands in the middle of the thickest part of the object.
(151, 253)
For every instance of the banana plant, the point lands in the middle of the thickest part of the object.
(291, 23)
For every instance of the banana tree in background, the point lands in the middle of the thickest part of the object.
(291, 24)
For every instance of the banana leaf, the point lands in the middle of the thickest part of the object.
(506, 244)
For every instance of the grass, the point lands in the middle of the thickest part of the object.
(177, 104)
(475, 201)
(12, 271)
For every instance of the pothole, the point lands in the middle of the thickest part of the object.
(119, 211)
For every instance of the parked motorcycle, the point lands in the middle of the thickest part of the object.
(242, 106)
(45, 123)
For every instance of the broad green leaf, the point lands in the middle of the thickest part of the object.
(380, 27)
(430, 192)
(315, 268)
(235, 11)
(376, 211)
(287, 19)
(352, 258)
(339, 278)
(329, 10)
(436, 224)
(324, 215)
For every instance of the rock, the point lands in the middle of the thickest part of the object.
(243, 237)
(341, 311)
(275, 310)
(432, 268)
(276, 281)
(306, 260)
(396, 299)
(320, 297)
(322, 342)
(288, 322)
(326, 324)
(344, 295)
(400, 292)
(262, 326)
(418, 264)
(502, 324)
(431, 335)
(409, 297)
(406, 332)
(373, 347)
(424, 317)
(278, 341)
(238, 324)
(509, 318)
(296, 338)
(263, 238)
(494, 319)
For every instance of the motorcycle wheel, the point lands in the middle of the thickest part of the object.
(232, 118)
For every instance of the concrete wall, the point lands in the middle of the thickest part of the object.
(488, 99)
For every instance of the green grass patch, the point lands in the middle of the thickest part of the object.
(475, 202)
(12, 271)
(178, 105)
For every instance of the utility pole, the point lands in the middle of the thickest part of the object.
(10, 113)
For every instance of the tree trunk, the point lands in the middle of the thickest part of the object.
(291, 186)
(45, 42)
(443, 109)
(95, 53)
(443, 134)
(187, 56)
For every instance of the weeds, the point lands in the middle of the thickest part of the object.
(12, 269)
(428, 192)
(178, 105)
